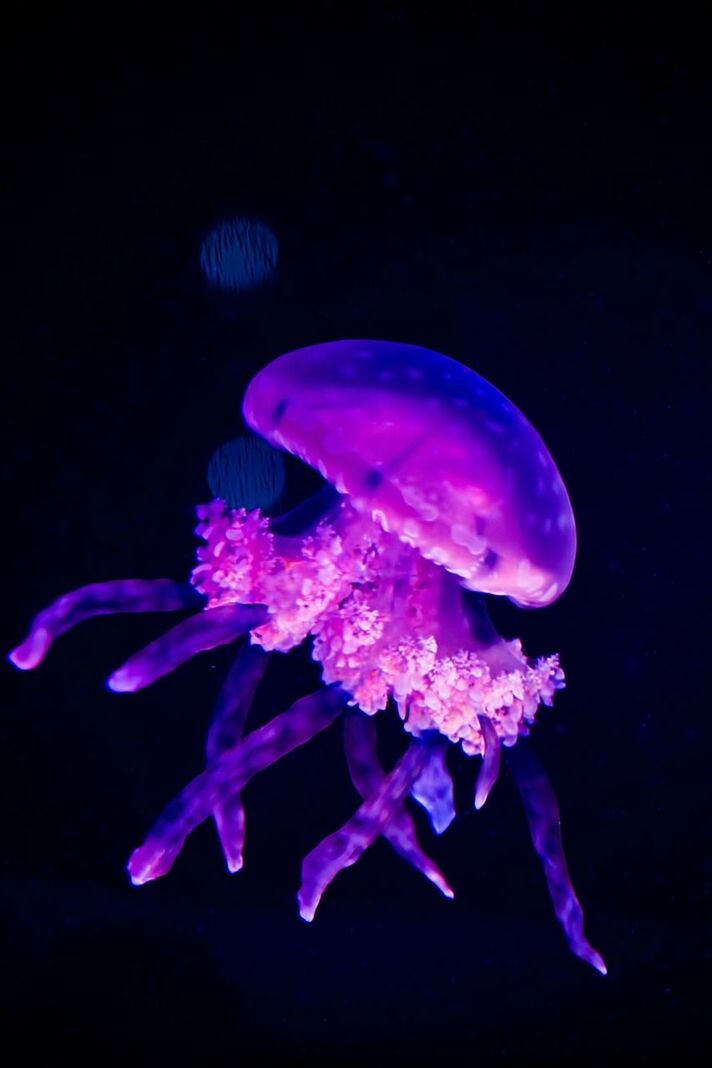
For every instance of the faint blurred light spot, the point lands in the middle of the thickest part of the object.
(246, 472)
(238, 255)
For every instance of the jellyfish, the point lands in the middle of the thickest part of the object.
(246, 473)
(437, 492)
(238, 255)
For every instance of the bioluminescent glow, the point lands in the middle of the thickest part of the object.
(438, 491)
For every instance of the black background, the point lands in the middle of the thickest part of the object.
(528, 193)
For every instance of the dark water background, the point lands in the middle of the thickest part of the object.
(527, 193)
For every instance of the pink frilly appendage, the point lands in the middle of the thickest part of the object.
(452, 679)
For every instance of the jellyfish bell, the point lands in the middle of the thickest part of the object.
(431, 451)
(438, 491)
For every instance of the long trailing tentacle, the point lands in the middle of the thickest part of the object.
(228, 775)
(343, 848)
(490, 762)
(100, 599)
(433, 788)
(544, 820)
(367, 776)
(206, 630)
(225, 732)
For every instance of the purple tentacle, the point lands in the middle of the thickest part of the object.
(367, 776)
(490, 762)
(99, 599)
(433, 788)
(228, 775)
(206, 630)
(225, 732)
(545, 829)
(343, 848)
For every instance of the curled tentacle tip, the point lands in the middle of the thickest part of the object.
(123, 681)
(137, 875)
(441, 823)
(482, 792)
(438, 880)
(585, 952)
(145, 865)
(307, 912)
(18, 660)
(32, 651)
(596, 961)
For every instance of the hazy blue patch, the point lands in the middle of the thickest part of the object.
(246, 472)
(239, 254)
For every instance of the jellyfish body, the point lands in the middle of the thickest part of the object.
(439, 490)
(433, 452)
